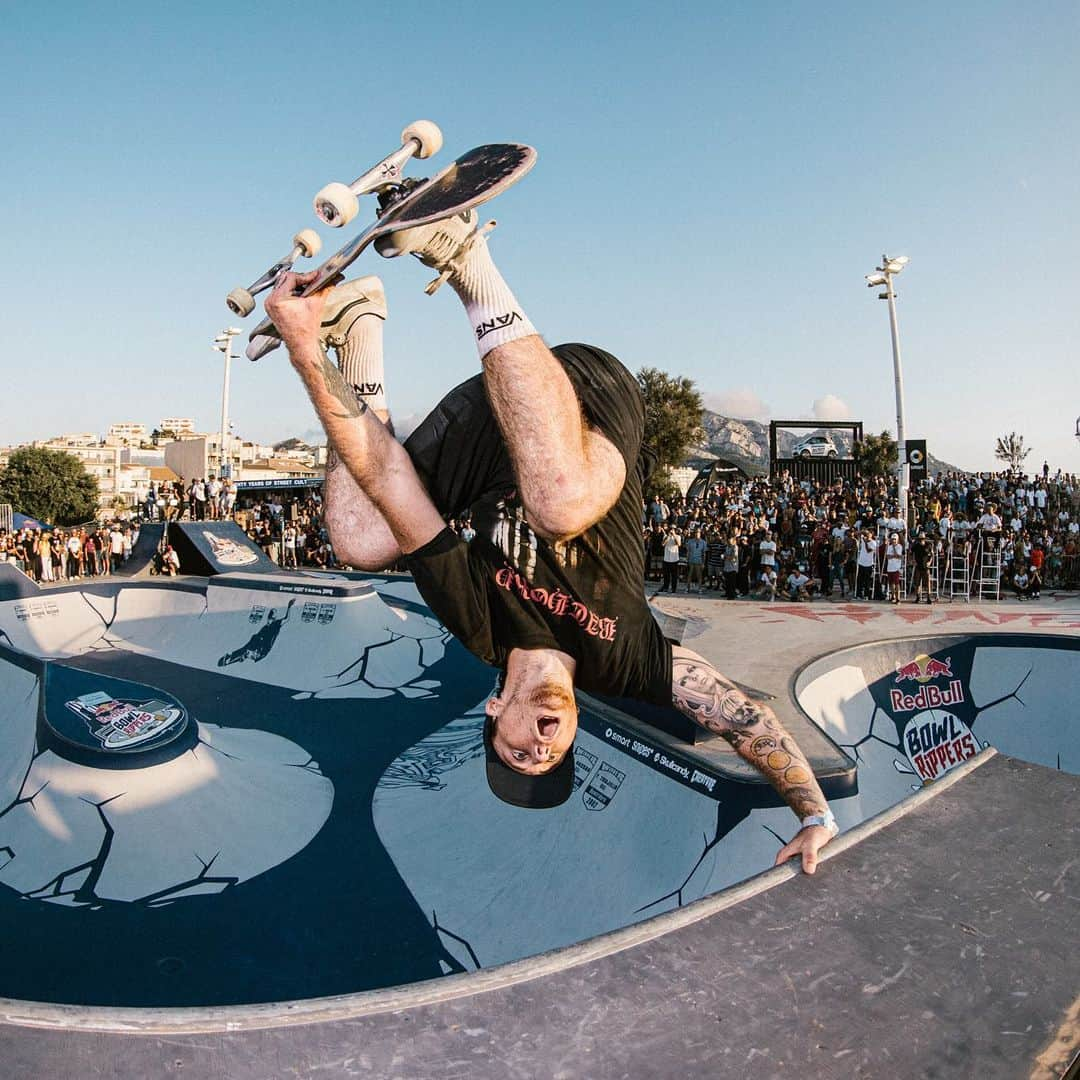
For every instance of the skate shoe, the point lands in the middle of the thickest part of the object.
(344, 305)
(347, 303)
(443, 245)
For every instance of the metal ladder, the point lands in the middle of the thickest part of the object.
(957, 570)
(988, 582)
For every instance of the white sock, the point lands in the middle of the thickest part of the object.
(361, 361)
(493, 310)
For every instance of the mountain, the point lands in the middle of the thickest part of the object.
(746, 443)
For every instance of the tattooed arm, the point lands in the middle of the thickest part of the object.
(716, 703)
(377, 462)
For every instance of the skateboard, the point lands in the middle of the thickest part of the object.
(242, 301)
(473, 179)
(337, 204)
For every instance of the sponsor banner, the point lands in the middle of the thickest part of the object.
(269, 584)
(37, 609)
(652, 753)
(125, 725)
(228, 552)
(936, 742)
(601, 789)
(263, 485)
(929, 701)
(96, 718)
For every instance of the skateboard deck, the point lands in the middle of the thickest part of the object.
(473, 179)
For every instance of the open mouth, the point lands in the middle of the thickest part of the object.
(547, 726)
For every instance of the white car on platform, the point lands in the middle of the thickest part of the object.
(815, 446)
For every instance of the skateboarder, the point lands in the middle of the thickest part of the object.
(543, 451)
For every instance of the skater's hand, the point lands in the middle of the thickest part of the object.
(807, 843)
(297, 318)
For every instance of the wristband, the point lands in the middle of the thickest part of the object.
(828, 819)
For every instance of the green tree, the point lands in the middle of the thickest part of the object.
(672, 418)
(1010, 449)
(876, 455)
(50, 485)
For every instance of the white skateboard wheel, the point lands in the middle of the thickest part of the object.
(308, 241)
(336, 205)
(427, 134)
(240, 302)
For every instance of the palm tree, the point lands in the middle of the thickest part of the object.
(1010, 449)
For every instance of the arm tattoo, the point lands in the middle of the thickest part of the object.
(752, 729)
(338, 388)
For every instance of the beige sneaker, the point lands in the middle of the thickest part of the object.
(443, 245)
(345, 304)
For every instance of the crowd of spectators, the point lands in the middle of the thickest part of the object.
(289, 529)
(199, 500)
(755, 538)
(797, 540)
(69, 554)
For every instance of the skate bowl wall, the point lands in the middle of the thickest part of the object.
(255, 788)
(143, 552)
(910, 710)
(217, 547)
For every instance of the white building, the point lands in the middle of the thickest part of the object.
(126, 432)
(101, 462)
(199, 457)
(178, 425)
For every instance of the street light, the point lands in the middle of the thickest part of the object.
(883, 275)
(223, 344)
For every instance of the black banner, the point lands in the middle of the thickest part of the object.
(916, 459)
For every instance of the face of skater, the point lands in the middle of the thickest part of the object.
(535, 715)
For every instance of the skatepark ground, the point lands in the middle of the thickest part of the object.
(937, 939)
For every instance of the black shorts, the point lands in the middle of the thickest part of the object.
(461, 454)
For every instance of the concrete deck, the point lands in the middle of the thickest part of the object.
(938, 939)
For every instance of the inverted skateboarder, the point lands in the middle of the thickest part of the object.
(543, 451)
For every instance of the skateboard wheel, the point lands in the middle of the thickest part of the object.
(427, 134)
(240, 302)
(336, 205)
(308, 241)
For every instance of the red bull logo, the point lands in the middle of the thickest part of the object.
(924, 668)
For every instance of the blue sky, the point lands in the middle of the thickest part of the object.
(714, 181)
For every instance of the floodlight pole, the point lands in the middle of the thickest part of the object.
(884, 276)
(903, 470)
(223, 344)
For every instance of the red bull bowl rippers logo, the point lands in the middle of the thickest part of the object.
(923, 670)
(937, 741)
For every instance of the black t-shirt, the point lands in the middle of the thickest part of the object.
(509, 588)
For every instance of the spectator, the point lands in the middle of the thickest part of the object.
(798, 584)
(672, 543)
(894, 564)
(696, 548)
(865, 561)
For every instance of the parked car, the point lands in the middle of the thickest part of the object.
(815, 446)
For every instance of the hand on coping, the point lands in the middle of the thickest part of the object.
(807, 843)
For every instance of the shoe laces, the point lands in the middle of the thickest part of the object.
(445, 249)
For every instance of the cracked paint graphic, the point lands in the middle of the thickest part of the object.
(235, 805)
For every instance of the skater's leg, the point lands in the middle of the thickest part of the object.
(376, 506)
(568, 475)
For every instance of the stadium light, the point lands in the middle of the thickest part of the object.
(883, 275)
(223, 344)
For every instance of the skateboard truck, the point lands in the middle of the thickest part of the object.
(337, 204)
(242, 301)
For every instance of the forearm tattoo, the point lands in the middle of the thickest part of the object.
(703, 694)
(338, 388)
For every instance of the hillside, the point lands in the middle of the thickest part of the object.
(746, 443)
